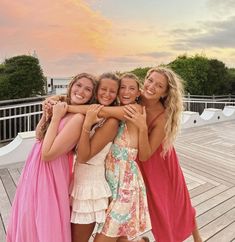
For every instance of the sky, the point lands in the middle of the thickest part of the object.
(96, 36)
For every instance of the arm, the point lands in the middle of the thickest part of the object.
(56, 144)
(89, 147)
(106, 112)
(148, 143)
(117, 112)
(78, 108)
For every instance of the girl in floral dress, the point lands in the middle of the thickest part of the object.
(127, 215)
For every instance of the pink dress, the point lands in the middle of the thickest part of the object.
(172, 215)
(40, 211)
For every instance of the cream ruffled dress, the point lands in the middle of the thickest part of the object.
(90, 192)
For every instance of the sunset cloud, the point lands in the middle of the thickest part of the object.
(53, 28)
(71, 36)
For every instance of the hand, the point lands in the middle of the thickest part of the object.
(92, 116)
(133, 115)
(47, 107)
(59, 110)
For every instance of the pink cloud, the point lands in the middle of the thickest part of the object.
(52, 28)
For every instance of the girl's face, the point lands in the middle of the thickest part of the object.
(107, 91)
(82, 91)
(155, 86)
(128, 91)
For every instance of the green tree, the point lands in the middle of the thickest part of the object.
(20, 77)
(141, 72)
(231, 80)
(217, 78)
(194, 71)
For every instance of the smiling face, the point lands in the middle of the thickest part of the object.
(129, 91)
(155, 86)
(81, 91)
(107, 91)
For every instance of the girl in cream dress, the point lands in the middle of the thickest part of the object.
(91, 192)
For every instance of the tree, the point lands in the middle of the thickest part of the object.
(141, 72)
(20, 77)
(204, 76)
(217, 78)
(194, 71)
(231, 80)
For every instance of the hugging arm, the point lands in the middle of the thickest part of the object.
(90, 146)
(56, 144)
(106, 112)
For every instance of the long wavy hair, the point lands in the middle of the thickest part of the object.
(173, 104)
(67, 98)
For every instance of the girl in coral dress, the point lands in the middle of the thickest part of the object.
(171, 212)
(41, 211)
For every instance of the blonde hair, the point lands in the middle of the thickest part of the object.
(173, 104)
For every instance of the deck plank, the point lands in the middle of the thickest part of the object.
(8, 183)
(227, 234)
(212, 214)
(5, 205)
(218, 226)
(2, 230)
(200, 189)
(15, 175)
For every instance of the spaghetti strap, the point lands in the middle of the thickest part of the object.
(154, 119)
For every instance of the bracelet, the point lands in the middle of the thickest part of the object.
(86, 130)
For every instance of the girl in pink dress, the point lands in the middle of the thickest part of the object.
(41, 211)
(171, 212)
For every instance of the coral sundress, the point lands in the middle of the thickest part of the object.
(171, 212)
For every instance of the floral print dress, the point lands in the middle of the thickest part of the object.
(127, 214)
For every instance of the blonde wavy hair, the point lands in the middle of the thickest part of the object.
(173, 104)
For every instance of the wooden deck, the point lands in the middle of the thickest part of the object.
(207, 157)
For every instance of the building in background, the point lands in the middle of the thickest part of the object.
(57, 85)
